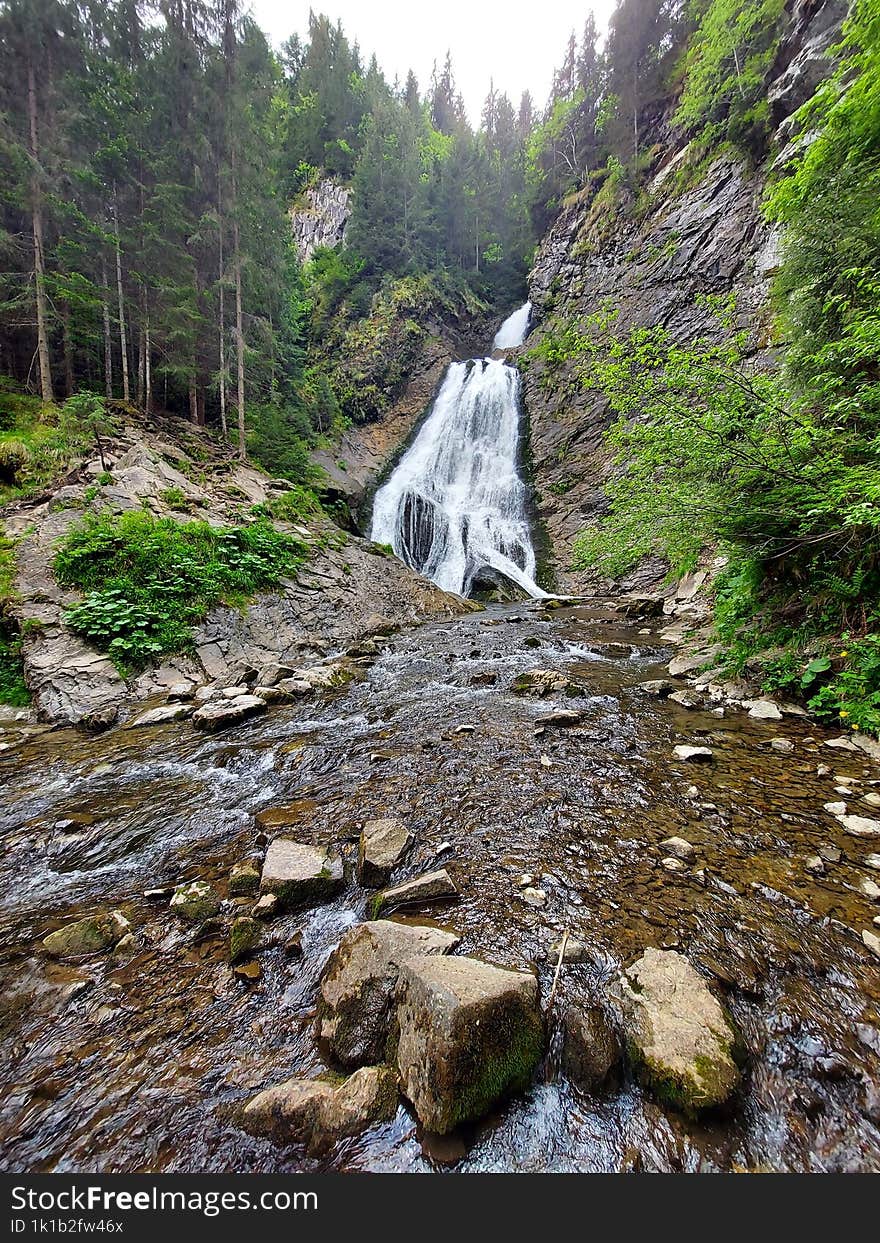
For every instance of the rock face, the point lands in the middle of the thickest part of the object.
(383, 844)
(695, 233)
(470, 1035)
(71, 682)
(298, 873)
(317, 1113)
(678, 1037)
(357, 987)
(85, 937)
(321, 218)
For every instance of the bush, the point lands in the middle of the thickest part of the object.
(148, 581)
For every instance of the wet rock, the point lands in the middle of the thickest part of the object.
(298, 873)
(249, 971)
(542, 682)
(317, 1113)
(815, 865)
(869, 889)
(383, 843)
(684, 699)
(836, 809)
(573, 951)
(162, 715)
(840, 744)
(219, 713)
(245, 936)
(294, 687)
(872, 798)
(671, 864)
(244, 878)
(322, 677)
(234, 692)
(872, 861)
(860, 826)
(763, 710)
(293, 946)
(357, 986)
(591, 1047)
(534, 897)
(658, 687)
(267, 907)
(93, 935)
(470, 1034)
(693, 755)
(679, 1038)
(181, 691)
(195, 901)
(872, 942)
(272, 694)
(562, 716)
(783, 745)
(680, 848)
(430, 887)
(829, 853)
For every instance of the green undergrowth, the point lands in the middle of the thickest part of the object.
(13, 689)
(148, 581)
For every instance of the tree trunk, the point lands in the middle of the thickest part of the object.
(108, 344)
(148, 371)
(239, 318)
(123, 341)
(193, 403)
(46, 390)
(222, 334)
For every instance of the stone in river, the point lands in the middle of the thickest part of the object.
(318, 1113)
(693, 755)
(383, 843)
(93, 935)
(429, 887)
(195, 901)
(298, 873)
(860, 826)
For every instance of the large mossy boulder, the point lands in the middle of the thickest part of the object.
(299, 874)
(93, 935)
(357, 987)
(470, 1034)
(318, 1113)
(679, 1038)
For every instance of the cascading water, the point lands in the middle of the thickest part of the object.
(455, 507)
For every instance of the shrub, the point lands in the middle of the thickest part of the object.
(148, 581)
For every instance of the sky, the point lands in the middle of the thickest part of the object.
(517, 44)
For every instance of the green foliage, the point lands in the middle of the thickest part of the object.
(726, 66)
(36, 444)
(147, 581)
(13, 689)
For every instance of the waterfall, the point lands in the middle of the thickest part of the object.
(455, 507)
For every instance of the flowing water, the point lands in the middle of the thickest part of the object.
(455, 507)
(139, 1066)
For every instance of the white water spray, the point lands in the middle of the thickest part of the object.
(455, 507)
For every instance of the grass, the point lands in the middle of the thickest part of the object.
(13, 689)
(148, 581)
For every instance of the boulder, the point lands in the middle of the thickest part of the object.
(219, 713)
(591, 1047)
(297, 873)
(678, 1037)
(429, 887)
(318, 1114)
(470, 1035)
(195, 901)
(357, 986)
(383, 844)
(244, 878)
(92, 935)
(543, 682)
(763, 710)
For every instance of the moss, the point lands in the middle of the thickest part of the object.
(499, 1064)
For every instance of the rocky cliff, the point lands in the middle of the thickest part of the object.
(319, 219)
(698, 229)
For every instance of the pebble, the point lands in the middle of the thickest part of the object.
(831, 854)
(546, 762)
(872, 942)
(785, 745)
(679, 847)
(823, 770)
(525, 880)
(869, 888)
(673, 865)
(534, 897)
(815, 865)
(860, 826)
(872, 861)
(836, 809)
(693, 755)
(873, 799)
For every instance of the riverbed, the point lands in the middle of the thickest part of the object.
(142, 1065)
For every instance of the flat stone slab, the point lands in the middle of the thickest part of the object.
(860, 826)
(357, 986)
(218, 713)
(383, 844)
(679, 1038)
(693, 755)
(298, 873)
(430, 887)
(162, 715)
(471, 1034)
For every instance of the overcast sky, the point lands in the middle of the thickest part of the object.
(517, 44)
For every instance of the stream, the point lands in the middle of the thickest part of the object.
(140, 1065)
